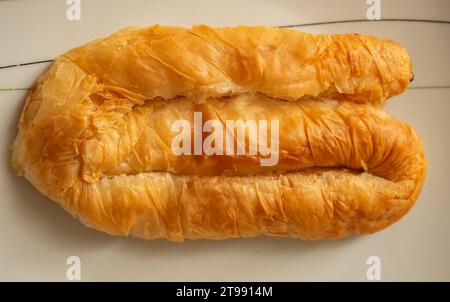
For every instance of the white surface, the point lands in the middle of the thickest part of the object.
(37, 236)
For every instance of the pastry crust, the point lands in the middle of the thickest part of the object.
(95, 134)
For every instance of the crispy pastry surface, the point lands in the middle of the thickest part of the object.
(95, 134)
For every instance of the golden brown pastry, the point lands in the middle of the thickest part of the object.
(95, 134)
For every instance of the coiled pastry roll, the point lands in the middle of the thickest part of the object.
(95, 134)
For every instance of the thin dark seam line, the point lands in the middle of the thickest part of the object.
(365, 20)
(25, 64)
(430, 87)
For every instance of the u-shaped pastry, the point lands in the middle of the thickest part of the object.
(97, 134)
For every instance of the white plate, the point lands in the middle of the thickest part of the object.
(37, 236)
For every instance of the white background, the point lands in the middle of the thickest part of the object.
(36, 236)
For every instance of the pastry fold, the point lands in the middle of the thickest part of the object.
(95, 134)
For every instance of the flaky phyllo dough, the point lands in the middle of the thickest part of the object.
(95, 134)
